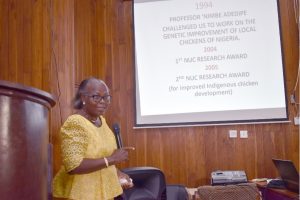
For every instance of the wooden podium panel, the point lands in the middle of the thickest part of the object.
(24, 137)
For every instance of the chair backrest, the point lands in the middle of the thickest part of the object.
(177, 192)
(245, 191)
(149, 184)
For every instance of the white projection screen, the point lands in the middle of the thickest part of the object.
(208, 63)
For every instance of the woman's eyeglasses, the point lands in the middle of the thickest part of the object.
(97, 98)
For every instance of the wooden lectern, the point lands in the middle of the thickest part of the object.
(24, 138)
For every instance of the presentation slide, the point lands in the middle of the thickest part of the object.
(208, 62)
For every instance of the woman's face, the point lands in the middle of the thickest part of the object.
(96, 98)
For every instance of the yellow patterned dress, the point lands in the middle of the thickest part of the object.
(81, 139)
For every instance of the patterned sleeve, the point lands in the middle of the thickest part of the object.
(74, 142)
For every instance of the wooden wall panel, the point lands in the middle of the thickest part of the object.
(4, 10)
(62, 68)
(84, 27)
(25, 42)
(89, 39)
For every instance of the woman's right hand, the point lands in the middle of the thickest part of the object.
(119, 155)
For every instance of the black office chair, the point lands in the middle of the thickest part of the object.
(176, 192)
(149, 184)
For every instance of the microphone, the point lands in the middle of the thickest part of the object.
(116, 130)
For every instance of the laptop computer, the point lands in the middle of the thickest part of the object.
(288, 174)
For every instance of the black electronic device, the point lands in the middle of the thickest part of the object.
(288, 174)
(276, 183)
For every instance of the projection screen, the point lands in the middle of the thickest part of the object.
(208, 62)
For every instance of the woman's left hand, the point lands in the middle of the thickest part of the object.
(125, 180)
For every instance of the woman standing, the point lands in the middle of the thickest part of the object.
(89, 150)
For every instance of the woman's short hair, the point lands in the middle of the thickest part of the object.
(77, 103)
